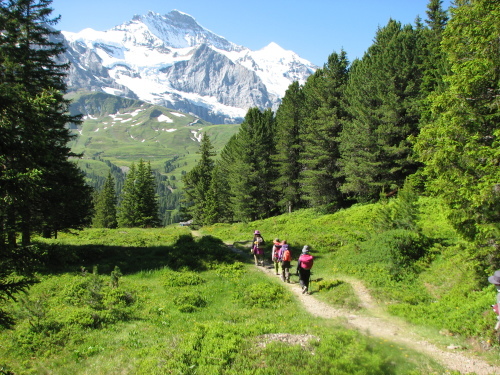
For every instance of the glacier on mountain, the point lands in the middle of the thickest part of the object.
(171, 60)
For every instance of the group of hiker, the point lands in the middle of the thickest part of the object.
(281, 257)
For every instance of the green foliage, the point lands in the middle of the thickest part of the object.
(325, 285)
(73, 321)
(200, 200)
(393, 252)
(289, 147)
(338, 293)
(40, 189)
(232, 271)
(116, 274)
(326, 112)
(188, 302)
(247, 167)
(264, 295)
(459, 147)
(382, 92)
(105, 208)
(174, 279)
(139, 205)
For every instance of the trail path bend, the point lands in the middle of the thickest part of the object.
(389, 328)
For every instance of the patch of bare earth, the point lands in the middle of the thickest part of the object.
(382, 326)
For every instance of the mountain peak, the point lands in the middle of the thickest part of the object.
(176, 30)
(170, 59)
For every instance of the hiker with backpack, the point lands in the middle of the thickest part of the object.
(304, 265)
(286, 258)
(275, 255)
(258, 248)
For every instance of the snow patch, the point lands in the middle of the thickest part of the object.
(197, 135)
(164, 118)
(177, 114)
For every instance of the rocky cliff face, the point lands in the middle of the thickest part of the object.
(171, 60)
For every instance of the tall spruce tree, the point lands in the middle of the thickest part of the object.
(289, 120)
(105, 208)
(33, 139)
(148, 200)
(128, 214)
(251, 170)
(460, 147)
(201, 204)
(325, 114)
(139, 203)
(383, 93)
(434, 62)
(223, 176)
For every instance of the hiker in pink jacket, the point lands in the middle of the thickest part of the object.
(304, 265)
(257, 248)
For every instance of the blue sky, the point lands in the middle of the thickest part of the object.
(313, 28)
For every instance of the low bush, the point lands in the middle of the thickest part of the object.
(262, 294)
(189, 302)
(186, 278)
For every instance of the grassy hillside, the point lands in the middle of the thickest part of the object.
(176, 305)
(427, 276)
(123, 131)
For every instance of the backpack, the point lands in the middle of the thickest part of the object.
(277, 251)
(287, 256)
(259, 242)
(306, 261)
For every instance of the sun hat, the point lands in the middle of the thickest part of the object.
(256, 232)
(305, 249)
(495, 279)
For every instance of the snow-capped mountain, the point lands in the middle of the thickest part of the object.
(172, 61)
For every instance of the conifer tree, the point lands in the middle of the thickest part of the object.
(148, 200)
(198, 183)
(434, 63)
(105, 208)
(460, 146)
(289, 120)
(33, 140)
(128, 214)
(223, 176)
(383, 94)
(251, 169)
(324, 97)
(139, 205)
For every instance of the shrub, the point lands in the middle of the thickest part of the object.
(189, 302)
(262, 294)
(230, 270)
(185, 278)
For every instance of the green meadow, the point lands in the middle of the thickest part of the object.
(160, 301)
(123, 131)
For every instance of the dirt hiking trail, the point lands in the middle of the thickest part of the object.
(381, 325)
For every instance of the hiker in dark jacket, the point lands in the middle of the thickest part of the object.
(286, 258)
(304, 265)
